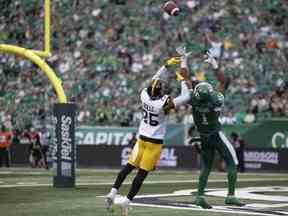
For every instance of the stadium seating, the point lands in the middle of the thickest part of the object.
(105, 52)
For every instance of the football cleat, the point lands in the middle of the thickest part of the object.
(123, 202)
(200, 201)
(232, 200)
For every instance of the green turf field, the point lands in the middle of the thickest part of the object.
(28, 192)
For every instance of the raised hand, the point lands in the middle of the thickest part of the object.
(181, 50)
(211, 60)
(173, 61)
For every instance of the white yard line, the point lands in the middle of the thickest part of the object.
(22, 173)
(36, 184)
(26, 183)
(278, 205)
(6, 172)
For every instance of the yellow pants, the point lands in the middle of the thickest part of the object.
(145, 155)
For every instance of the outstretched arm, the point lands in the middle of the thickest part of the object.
(162, 73)
(216, 52)
(184, 96)
(182, 99)
(186, 83)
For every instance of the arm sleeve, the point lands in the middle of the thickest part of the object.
(184, 97)
(184, 63)
(161, 74)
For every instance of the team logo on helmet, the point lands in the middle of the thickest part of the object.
(203, 90)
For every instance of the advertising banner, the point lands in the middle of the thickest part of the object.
(115, 156)
(172, 157)
(266, 159)
(268, 134)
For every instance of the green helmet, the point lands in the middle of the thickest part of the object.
(203, 91)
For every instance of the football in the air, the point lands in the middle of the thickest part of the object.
(171, 8)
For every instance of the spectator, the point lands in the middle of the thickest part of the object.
(239, 146)
(45, 138)
(249, 117)
(35, 149)
(228, 118)
(5, 142)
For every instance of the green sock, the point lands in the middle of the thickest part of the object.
(232, 178)
(203, 178)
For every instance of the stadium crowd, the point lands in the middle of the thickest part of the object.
(105, 51)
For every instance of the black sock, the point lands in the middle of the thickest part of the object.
(136, 184)
(122, 175)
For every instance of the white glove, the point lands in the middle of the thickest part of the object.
(181, 50)
(211, 60)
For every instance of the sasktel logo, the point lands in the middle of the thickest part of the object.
(279, 140)
(66, 140)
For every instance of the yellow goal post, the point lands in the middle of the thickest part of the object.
(33, 57)
(47, 32)
(36, 56)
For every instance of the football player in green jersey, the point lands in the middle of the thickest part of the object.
(206, 106)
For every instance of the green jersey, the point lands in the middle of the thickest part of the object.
(206, 112)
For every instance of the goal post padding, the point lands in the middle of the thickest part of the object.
(64, 151)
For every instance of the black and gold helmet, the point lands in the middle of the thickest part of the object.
(156, 89)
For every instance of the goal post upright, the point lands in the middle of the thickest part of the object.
(47, 32)
(47, 27)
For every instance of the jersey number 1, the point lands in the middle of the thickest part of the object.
(150, 118)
